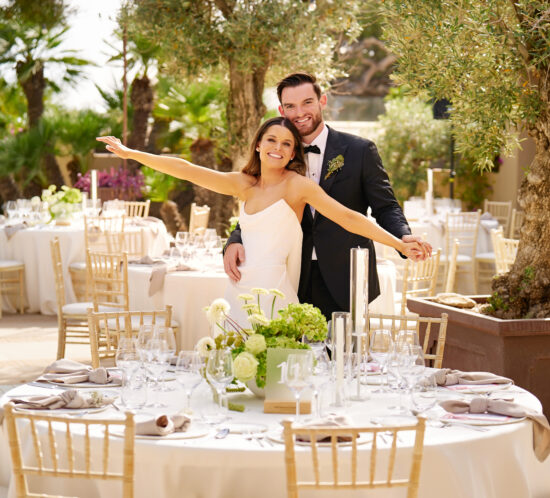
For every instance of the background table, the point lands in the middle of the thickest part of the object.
(190, 291)
(32, 247)
(458, 462)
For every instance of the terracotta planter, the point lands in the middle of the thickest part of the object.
(518, 349)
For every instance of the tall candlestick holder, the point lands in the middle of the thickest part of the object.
(359, 303)
(340, 344)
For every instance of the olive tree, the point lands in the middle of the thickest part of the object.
(491, 59)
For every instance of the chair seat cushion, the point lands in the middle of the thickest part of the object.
(460, 258)
(9, 263)
(81, 308)
(486, 256)
(78, 266)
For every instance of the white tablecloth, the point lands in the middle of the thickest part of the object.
(188, 292)
(32, 247)
(458, 462)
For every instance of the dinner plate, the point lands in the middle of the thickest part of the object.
(480, 419)
(477, 389)
(63, 411)
(245, 428)
(277, 437)
(192, 433)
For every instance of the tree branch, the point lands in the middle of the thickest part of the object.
(226, 7)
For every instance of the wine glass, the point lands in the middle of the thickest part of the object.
(166, 334)
(11, 209)
(319, 380)
(188, 373)
(423, 395)
(145, 334)
(219, 372)
(155, 363)
(405, 337)
(127, 356)
(297, 376)
(380, 346)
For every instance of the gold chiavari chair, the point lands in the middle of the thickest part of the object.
(12, 281)
(198, 219)
(133, 243)
(363, 475)
(108, 276)
(419, 278)
(432, 332)
(505, 252)
(52, 434)
(500, 211)
(101, 234)
(516, 223)
(463, 226)
(72, 319)
(451, 268)
(137, 208)
(106, 327)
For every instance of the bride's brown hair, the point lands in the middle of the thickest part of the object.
(297, 164)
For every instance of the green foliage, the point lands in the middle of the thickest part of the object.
(488, 57)
(472, 186)
(497, 303)
(12, 109)
(412, 139)
(158, 185)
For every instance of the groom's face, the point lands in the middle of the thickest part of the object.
(301, 105)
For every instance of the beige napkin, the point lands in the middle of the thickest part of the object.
(448, 377)
(149, 221)
(330, 422)
(67, 399)
(160, 268)
(163, 425)
(541, 428)
(72, 372)
(11, 230)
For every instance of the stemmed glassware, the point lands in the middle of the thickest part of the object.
(319, 379)
(380, 346)
(297, 375)
(166, 334)
(219, 372)
(10, 207)
(133, 392)
(155, 363)
(188, 373)
(424, 395)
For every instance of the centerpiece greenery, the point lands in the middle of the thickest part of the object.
(293, 325)
(61, 203)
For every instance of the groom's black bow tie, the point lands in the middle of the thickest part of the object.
(312, 148)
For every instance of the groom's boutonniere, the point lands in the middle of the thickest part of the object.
(334, 165)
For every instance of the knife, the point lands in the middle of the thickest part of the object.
(222, 433)
(47, 386)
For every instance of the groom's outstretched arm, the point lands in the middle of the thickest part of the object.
(233, 254)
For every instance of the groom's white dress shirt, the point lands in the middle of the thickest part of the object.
(315, 163)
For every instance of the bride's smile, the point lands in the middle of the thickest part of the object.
(276, 148)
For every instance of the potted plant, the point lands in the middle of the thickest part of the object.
(114, 184)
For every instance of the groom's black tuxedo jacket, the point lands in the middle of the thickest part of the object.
(361, 183)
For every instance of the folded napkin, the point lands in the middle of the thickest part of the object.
(72, 372)
(11, 230)
(448, 377)
(486, 216)
(541, 428)
(66, 399)
(163, 425)
(150, 221)
(160, 268)
(330, 422)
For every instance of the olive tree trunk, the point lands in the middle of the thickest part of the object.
(524, 292)
(33, 87)
(245, 109)
(141, 97)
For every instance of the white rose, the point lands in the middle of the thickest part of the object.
(217, 311)
(255, 344)
(245, 367)
(204, 346)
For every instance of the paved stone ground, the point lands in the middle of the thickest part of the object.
(28, 343)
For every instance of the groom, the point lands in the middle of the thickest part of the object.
(349, 169)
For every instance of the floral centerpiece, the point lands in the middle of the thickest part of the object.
(123, 184)
(249, 346)
(62, 203)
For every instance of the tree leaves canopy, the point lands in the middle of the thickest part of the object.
(488, 57)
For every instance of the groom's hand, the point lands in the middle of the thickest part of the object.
(426, 248)
(233, 257)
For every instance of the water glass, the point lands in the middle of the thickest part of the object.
(188, 373)
(133, 393)
(299, 367)
(424, 395)
(380, 346)
(127, 356)
(219, 372)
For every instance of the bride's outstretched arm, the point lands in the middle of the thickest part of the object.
(224, 183)
(356, 222)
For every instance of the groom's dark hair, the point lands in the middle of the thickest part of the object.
(297, 79)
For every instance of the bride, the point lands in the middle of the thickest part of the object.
(274, 193)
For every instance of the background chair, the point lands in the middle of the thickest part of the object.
(106, 327)
(449, 284)
(464, 227)
(339, 480)
(500, 211)
(72, 319)
(198, 218)
(47, 460)
(137, 208)
(516, 223)
(12, 281)
(505, 252)
(432, 332)
(108, 276)
(419, 278)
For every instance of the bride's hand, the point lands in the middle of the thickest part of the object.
(115, 146)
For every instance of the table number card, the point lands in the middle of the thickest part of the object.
(278, 397)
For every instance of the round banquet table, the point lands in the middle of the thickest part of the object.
(32, 247)
(188, 292)
(458, 462)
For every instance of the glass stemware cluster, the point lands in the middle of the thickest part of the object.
(201, 250)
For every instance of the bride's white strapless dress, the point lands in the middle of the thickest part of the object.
(272, 240)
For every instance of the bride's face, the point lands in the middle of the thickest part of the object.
(276, 147)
